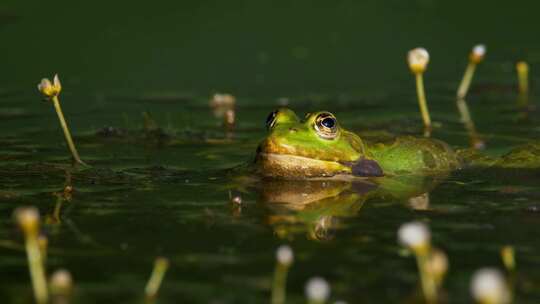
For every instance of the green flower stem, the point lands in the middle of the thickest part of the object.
(422, 101)
(466, 81)
(156, 278)
(67, 134)
(37, 272)
(279, 284)
(429, 287)
(469, 123)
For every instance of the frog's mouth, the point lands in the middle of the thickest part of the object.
(298, 167)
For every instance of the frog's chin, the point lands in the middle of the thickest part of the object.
(299, 167)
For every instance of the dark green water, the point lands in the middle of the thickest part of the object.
(147, 197)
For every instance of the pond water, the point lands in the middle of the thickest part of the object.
(166, 193)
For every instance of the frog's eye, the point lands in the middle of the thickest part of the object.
(271, 119)
(326, 125)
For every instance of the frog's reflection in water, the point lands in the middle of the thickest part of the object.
(317, 207)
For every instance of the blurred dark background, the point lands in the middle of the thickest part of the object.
(253, 47)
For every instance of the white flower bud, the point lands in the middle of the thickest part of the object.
(418, 59)
(488, 286)
(414, 235)
(285, 255)
(61, 282)
(477, 53)
(317, 290)
(479, 50)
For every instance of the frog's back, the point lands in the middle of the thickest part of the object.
(413, 155)
(524, 156)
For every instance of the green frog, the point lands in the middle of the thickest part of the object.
(316, 173)
(317, 147)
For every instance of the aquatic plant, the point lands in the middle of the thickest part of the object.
(284, 260)
(475, 140)
(220, 103)
(229, 120)
(437, 266)
(28, 220)
(475, 57)
(418, 59)
(508, 257)
(50, 92)
(488, 286)
(43, 243)
(522, 69)
(416, 237)
(161, 265)
(236, 203)
(61, 286)
(317, 290)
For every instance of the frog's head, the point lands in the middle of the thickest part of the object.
(314, 147)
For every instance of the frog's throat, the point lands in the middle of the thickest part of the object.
(294, 166)
(298, 167)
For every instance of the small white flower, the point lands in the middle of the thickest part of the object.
(317, 290)
(479, 50)
(477, 53)
(61, 282)
(418, 59)
(488, 286)
(414, 235)
(49, 89)
(285, 255)
(28, 219)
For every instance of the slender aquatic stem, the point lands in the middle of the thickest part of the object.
(422, 101)
(466, 118)
(523, 77)
(279, 283)
(67, 134)
(43, 243)
(37, 272)
(523, 83)
(156, 278)
(429, 286)
(508, 257)
(466, 81)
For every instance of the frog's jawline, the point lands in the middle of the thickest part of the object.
(300, 167)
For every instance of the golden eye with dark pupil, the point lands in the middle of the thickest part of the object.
(326, 126)
(271, 120)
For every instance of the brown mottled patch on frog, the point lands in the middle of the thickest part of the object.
(428, 159)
